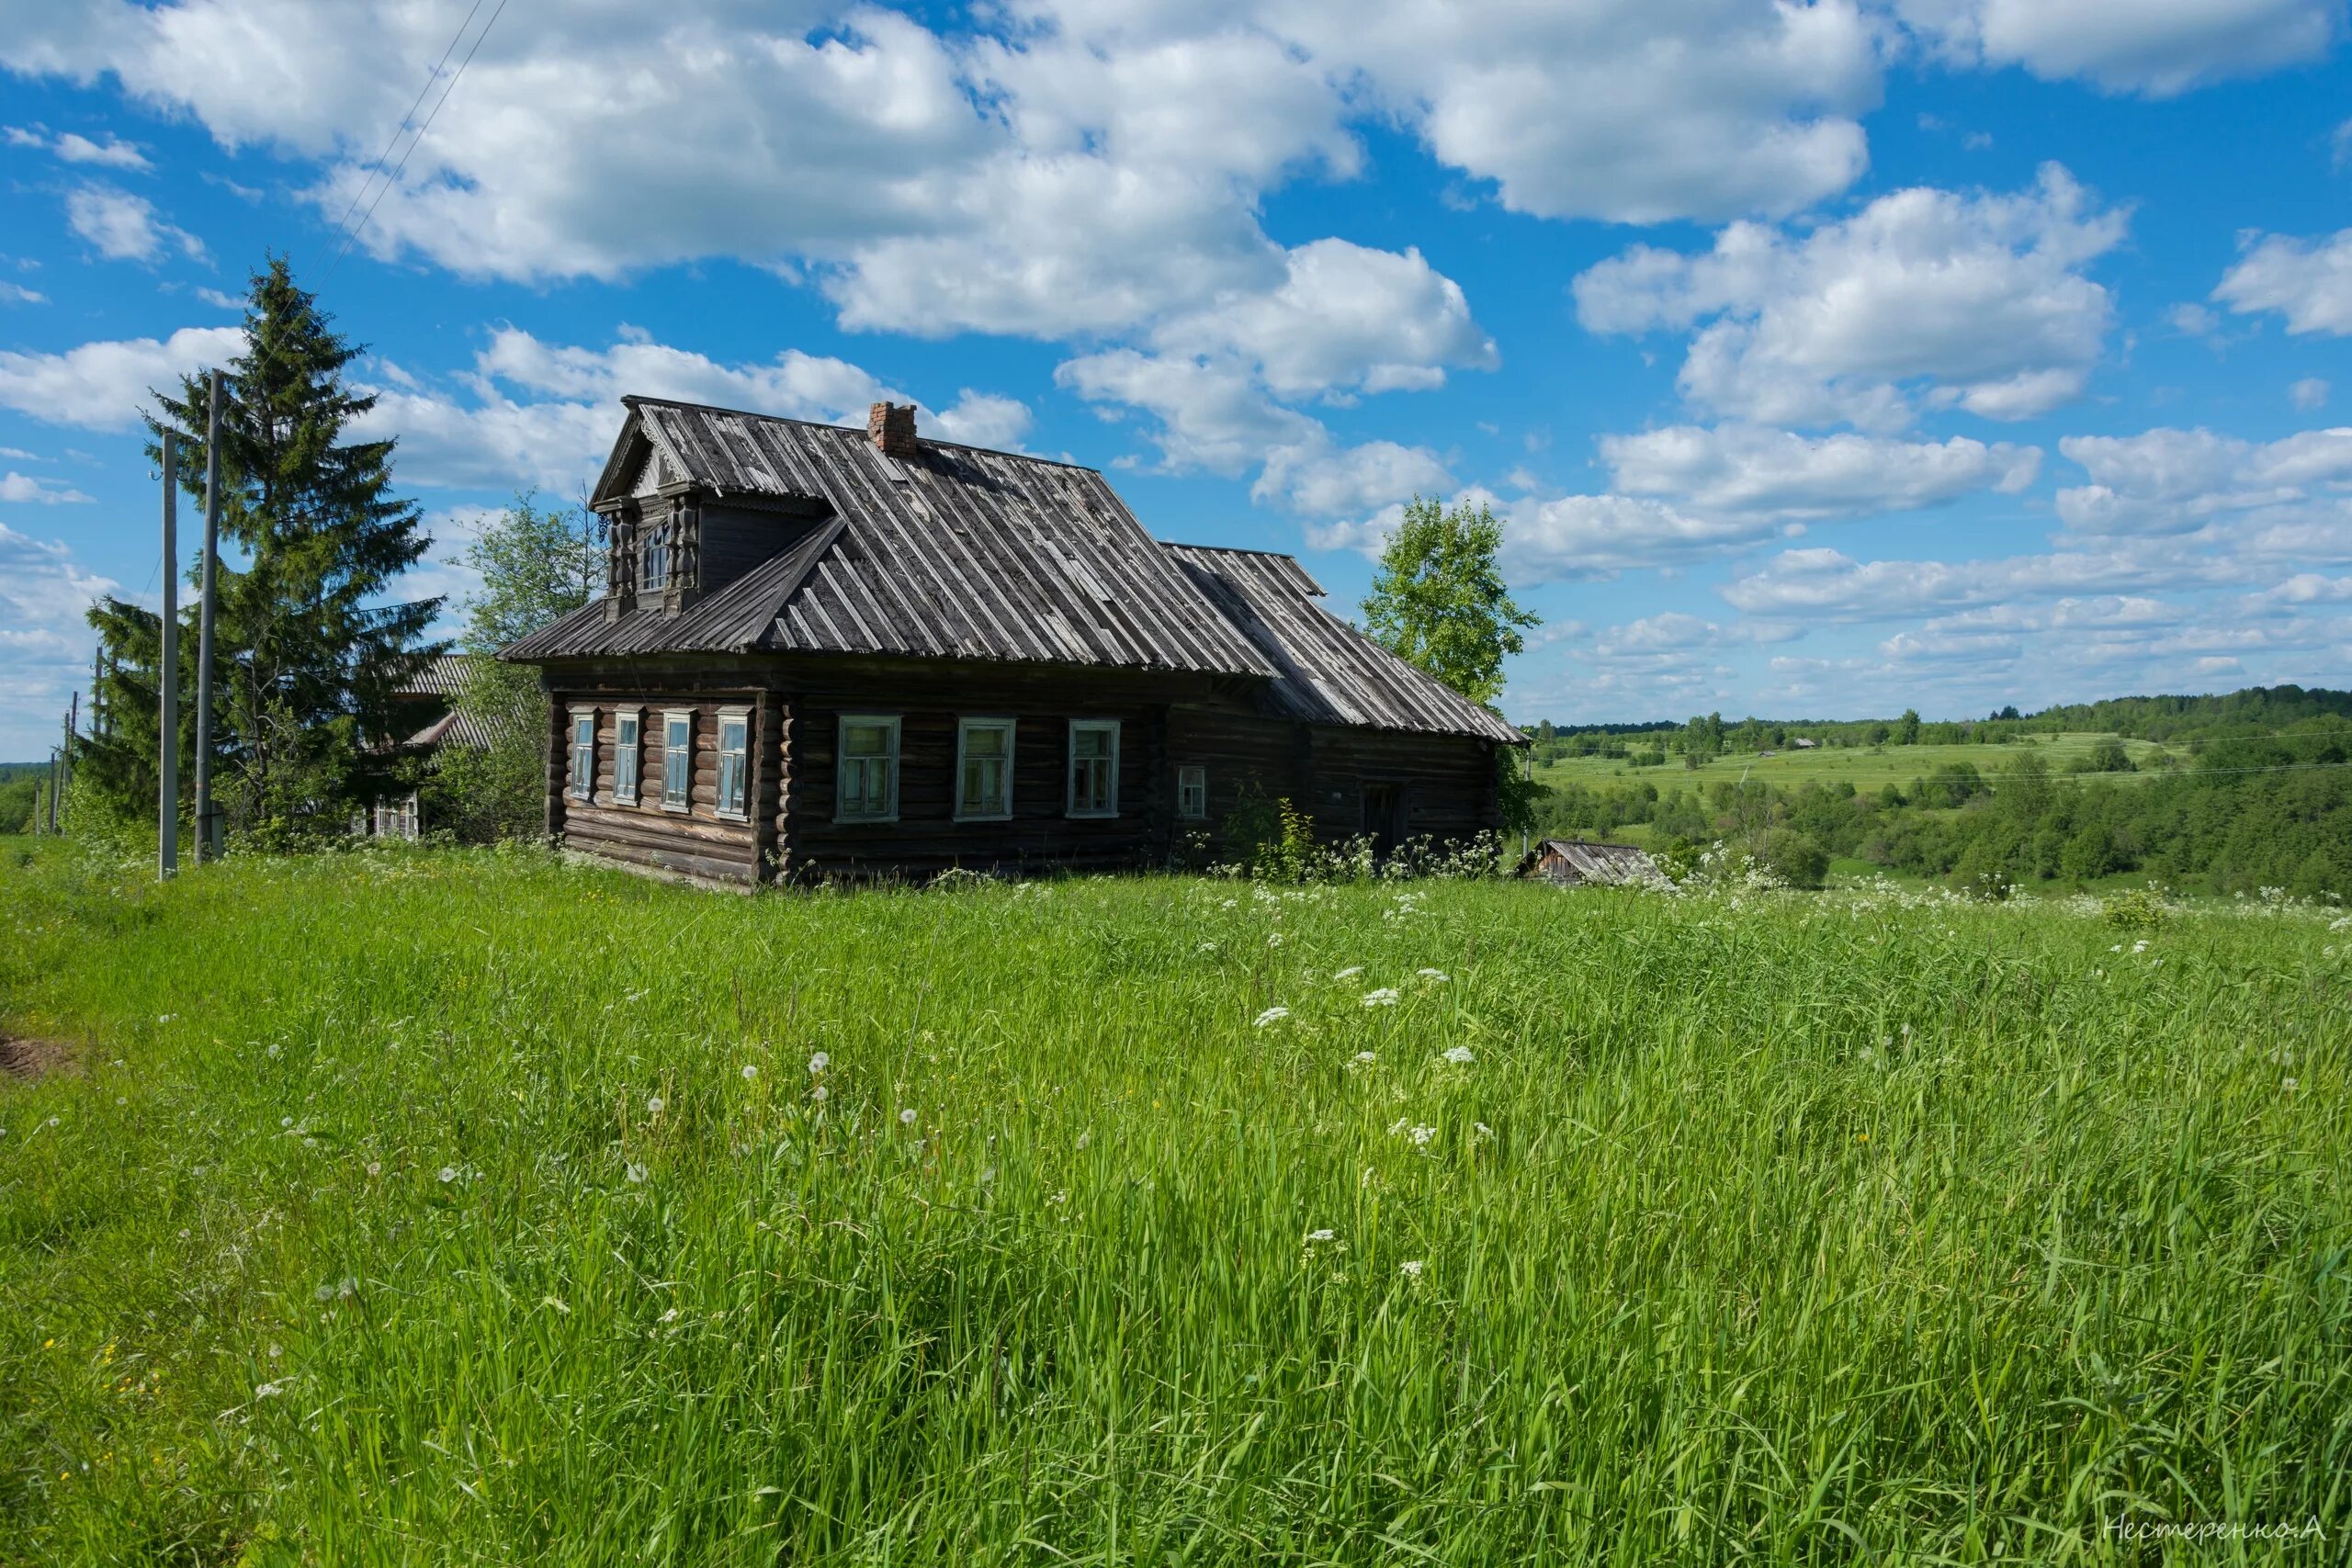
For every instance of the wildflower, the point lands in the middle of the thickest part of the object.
(1084, 1139)
(2140, 946)
(1272, 1015)
(448, 1174)
(1319, 1236)
(820, 1062)
(1482, 1131)
(374, 1167)
(635, 1172)
(749, 1072)
(1423, 1135)
(655, 1105)
(1367, 1057)
(1350, 973)
(1459, 1055)
(1412, 1269)
(907, 1117)
(1436, 976)
(285, 1121)
(52, 1121)
(1398, 1126)
(2287, 1084)
(817, 1094)
(271, 1390)
(1385, 997)
(1273, 939)
(670, 1316)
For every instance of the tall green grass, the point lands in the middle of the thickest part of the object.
(1772, 1229)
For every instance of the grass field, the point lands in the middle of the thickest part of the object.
(467, 1207)
(1870, 768)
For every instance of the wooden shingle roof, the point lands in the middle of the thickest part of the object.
(1329, 673)
(957, 553)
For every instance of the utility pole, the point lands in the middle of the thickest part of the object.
(167, 745)
(49, 816)
(208, 827)
(65, 759)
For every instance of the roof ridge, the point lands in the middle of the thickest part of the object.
(631, 399)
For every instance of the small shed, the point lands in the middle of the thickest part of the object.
(1571, 861)
(1805, 743)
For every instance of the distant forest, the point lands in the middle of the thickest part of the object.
(2256, 793)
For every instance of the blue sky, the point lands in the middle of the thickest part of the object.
(1821, 359)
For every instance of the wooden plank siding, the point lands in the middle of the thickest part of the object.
(1166, 721)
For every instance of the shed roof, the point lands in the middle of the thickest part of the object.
(1327, 671)
(1579, 861)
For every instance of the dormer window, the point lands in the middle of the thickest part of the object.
(653, 560)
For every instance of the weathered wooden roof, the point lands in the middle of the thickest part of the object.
(1327, 671)
(959, 553)
(1575, 859)
(443, 675)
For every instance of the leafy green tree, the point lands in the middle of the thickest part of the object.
(1795, 858)
(309, 644)
(1439, 603)
(535, 565)
(1907, 728)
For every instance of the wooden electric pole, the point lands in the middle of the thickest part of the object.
(208, 827)
(168, 741)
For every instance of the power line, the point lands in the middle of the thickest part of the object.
(343, 222)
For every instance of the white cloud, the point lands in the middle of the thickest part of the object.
(107, 384)
(24, 489)
(545, 415)
(2170, 481)
(2158, 50)
(1828, 584)
(2309, 393)
(44, 640)
(1322, 479)
(221, 300)
(1579, 537)
(1212, 414)
(2308, 281)
(122, 226)
(1924, 297)
(1744, 469)
(71, 147)
(16, 294)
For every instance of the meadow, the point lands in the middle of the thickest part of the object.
(1865, 767)
(417, 1206)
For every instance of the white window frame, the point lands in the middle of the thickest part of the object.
(629, 748)
(1192, 777)
(841, 768)
(742, 812)
(580, 752)
(686, 800)
(965, 726)
(1070, 793)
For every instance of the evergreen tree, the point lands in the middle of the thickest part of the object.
(1439, 603)
(308, 651)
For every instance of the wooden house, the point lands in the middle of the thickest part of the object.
(427, 719)
(826, 652)
(1573, 861)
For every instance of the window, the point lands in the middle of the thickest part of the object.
(627, 754)
(868, 785)
(734, 728)
(653, 575)
(583, 753)
(677, 758)
(1095, 767)
(1193, 791)
(983, 770)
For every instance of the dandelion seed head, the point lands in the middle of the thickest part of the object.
(907, 1117)
(751, 1071)
(817, 1094)
(655, 1106)
(820, 1062)
(448, 1174)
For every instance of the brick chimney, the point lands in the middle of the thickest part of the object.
(892, 428)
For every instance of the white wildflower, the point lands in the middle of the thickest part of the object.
(655, 1105)
(907, 1117)
(817, 1094)
(2287, 1084)
(1436, 976)
(820, 1062)
(1319, 1236)
(1366, 1058)
(1272, 1015)
(448, 1174)
(1273, 939)
(751, 1071)
(1084, 1139)
(635, 1172)
(1385, 997)
(2140, 946)
(1423, 1135)
(374, 1167)
(1398, 1126)
(1482, 1131)
(670, 1316)
(1460, 1055)
(1412, 1269)
(1350, 973)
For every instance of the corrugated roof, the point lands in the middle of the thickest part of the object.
(442, 676)
(959, 553)
(1583, 862)
(1327, 671)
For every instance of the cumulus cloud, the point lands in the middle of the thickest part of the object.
(2171, 482)
(1321, 478)
(2158, 51)
(2307, 281)
(25, 489)
(44, 641)
(124, 227)
(1923, 298)
(107, 384)
(1748, 470)
(1828, 584)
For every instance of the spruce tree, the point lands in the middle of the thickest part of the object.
(308, 647)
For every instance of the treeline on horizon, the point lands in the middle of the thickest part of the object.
(2257, 794)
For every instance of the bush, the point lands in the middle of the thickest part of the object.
(2137, 910)
(1796, 859)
